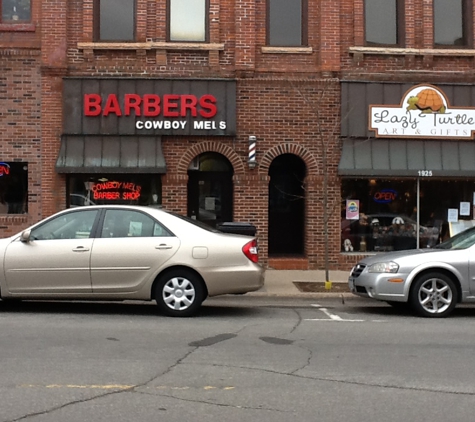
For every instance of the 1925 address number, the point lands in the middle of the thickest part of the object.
(424, 173)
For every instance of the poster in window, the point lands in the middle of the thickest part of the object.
(453, 215)
(352, 209)
(465, 208)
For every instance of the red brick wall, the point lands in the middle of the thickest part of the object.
(288, 99)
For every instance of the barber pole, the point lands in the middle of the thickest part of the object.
(252, 151)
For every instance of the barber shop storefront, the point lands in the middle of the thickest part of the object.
(122, 136)
(407, 165)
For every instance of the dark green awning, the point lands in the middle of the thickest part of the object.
(407, 158)
(111, 154)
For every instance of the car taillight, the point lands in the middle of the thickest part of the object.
(251, 250)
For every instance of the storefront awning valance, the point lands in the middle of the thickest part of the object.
(111, 154)
(407, 158)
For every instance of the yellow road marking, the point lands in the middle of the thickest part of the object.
(118, 386)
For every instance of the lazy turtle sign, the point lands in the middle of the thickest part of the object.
(424, 112)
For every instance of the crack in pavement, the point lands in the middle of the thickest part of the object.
(357, 383)
(233, 406)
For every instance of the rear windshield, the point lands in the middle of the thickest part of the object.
(195, 222)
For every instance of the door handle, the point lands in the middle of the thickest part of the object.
(80, 249)
(163, 246)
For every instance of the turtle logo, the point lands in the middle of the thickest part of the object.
(427, 101)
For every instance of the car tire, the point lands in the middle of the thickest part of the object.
(433, 295)
(179, 293)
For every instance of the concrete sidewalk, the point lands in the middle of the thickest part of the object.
(281, 283)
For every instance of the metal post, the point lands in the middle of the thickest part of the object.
(418, 203)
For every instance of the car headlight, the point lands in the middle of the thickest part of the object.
(383, 267)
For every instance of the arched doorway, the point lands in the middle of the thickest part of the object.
(286, 205)
(210, 189)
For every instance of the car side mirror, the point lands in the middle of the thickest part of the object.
(25, 236)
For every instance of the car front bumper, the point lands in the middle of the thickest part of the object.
(380, 286)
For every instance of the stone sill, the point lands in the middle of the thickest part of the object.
(17, 27)
(394, 51)
(287, 50)
(149, 45)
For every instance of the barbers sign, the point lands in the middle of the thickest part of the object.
(149, 107)
(424, 112)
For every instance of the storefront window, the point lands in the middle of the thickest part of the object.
(114, 189)
(381, 215)
(13, 188)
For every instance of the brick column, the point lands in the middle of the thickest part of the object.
(53, 69)
(253, 188)
(175, 192)
(330, 35)
(245, 11)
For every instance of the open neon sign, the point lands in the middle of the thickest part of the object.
(116, 190)
(385, 196)
(4, 169)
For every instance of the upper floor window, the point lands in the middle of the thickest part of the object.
(452, 22)
(384, 22)
(286, 23)
(188, 20)
(15, 11)
(114, 20)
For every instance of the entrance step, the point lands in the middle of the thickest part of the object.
(288, 263)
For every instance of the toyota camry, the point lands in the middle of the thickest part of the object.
(127, 252)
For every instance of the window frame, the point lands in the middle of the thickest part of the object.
(467, 27)
(13, 21)
(207, 25)
(400, 26)
(304, 26)
(97, 24)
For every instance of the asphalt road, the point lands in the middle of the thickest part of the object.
(241, 359)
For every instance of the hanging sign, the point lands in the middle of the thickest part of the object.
(424, 112)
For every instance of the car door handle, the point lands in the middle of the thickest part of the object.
(80, 249)
(163, 246)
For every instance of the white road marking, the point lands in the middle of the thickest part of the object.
(335, 318)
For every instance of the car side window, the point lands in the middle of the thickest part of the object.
(128, 223)
(74, 225)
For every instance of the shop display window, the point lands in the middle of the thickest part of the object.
(381, 215)
(13, 187)
(110, 189)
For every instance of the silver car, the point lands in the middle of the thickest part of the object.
(127, 252)
(430, 281)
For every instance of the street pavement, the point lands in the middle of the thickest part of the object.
(282, 283)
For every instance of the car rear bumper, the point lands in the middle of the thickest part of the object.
(234, 280)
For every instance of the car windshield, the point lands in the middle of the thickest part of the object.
(462, 240)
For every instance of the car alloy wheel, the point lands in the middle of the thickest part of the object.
(179, 293)
(434, 295)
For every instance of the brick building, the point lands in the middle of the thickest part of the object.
(253, 111)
